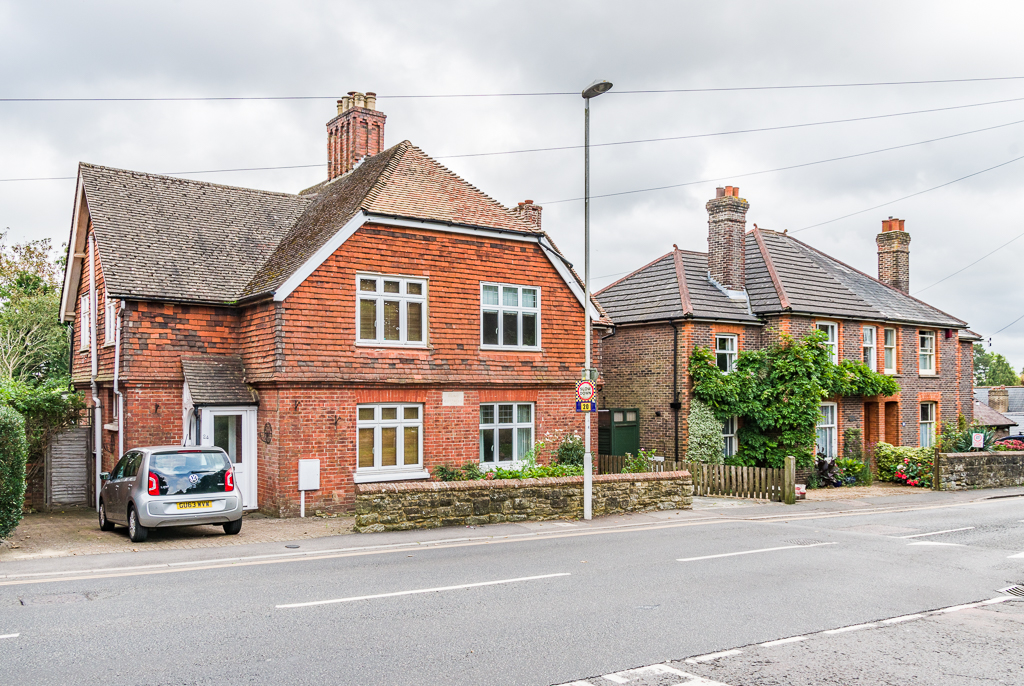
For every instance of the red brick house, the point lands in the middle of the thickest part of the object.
(387, 320)
(748, 288)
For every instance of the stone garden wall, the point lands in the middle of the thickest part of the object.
(428, 504)
(959, 471)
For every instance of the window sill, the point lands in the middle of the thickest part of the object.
(110, 344)
(509, 349)
(391, 344)
(927, 374)
(375, 477)
(110, 427)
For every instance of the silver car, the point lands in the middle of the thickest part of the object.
(170, 486)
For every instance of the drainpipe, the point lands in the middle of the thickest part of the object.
(119, 398)
(676, 405)
(97, 421)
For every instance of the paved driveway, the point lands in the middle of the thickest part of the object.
(74, 531)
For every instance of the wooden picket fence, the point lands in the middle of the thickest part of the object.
(759, 483)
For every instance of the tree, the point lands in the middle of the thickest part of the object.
(992, 369)
(12, 469)
(778, 393)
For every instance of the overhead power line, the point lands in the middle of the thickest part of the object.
(407, 96)
(970, 265)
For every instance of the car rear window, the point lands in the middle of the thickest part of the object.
(189, 473)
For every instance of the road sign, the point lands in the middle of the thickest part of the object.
(586, 391)
(586, 406)
(977, 440)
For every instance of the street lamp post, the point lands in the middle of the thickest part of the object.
(592, 91)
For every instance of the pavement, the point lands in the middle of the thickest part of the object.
(549, 602)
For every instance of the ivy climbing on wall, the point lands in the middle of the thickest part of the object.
(777, 392)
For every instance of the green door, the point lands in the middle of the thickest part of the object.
(623, 431)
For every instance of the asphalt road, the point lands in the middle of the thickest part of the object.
(523, 604)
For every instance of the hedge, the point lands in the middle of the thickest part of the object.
(890, 459)
(13, 451)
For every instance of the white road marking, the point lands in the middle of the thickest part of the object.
(10, 635)
(936, 533)
(713, 656)
(751, 552)
(904, 618)
(955, 608)
(1017, 556)
(854, 627)
(424, 590)
(616, 679)
(993, 601)
(959, 545)
(783, 641)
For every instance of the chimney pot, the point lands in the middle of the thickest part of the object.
(528, 211)
(371, 100)
(999, 399)
(720, 192)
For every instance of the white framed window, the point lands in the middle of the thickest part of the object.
(506, 432)
(927, 425)
(110, 321)
(509, 316)
(725, 351)
(392, 310)
(831, 330)
(926, 352)
(86, 321)
(870, 347)
(826, 430)
(729, 436)
(889, 350)
(390, 438)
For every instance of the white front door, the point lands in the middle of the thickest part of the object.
(233, 429)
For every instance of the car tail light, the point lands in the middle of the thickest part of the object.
(229, 480)
(154, 484)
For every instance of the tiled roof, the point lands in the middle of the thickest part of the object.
(160, 236)
(652, 293)
(216, 380)
(783, 275)
(986, 416)
(1015, 393)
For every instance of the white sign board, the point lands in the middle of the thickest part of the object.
(309, 475)
(977, 440)
(453, 399)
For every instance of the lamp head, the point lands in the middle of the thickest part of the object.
(596, 88)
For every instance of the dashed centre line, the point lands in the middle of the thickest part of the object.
(751, 552)
(9, 635)
(784, 641)
(423, 590)
(936, 533)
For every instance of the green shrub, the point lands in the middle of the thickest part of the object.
(851, 471)
(467, 472)
(13, 451)
(471, 471)
(704, 435)
(960, 439)
(912, 466)
(639, 463)
(571, 451)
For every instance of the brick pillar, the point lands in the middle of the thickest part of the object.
(357, 131)
(894, 255)
(727, 221)
(530, 212)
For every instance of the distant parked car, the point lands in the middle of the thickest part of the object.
(170, 486)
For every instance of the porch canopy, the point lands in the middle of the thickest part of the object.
(216, 380)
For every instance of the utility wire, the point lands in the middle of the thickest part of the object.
(1008, 325)
(522, 95)
(631, 142)
(970, 265)
(927, 190)
(792, 166)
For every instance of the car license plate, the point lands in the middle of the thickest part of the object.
(195, 505)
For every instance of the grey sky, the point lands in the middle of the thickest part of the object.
(210, 48)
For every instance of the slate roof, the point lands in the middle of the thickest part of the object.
(787, 276)
(216, 380)
(986, 416)
(1015, 396)
(165, 238)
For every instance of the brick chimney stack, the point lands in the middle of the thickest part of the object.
(999, 399)
(356, 132)
(894, 254)
(727, 221)
(530, 212)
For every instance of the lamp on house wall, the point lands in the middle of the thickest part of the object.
(592, 91)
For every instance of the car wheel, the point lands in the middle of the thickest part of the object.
(136, 531)
(232, 528)
(105, 524)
